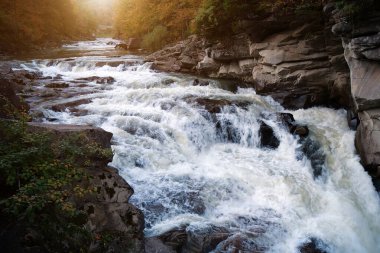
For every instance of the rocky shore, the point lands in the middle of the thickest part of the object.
(114, 223)
(302, 61)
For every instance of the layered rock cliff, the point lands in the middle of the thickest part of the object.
(296, 59)
(361, 43)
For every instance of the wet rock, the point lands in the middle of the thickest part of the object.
(313, 151)
(227, 131)
(48, 93)
(208, 66)
(190, 201)
(70, 105)
(198, 82)
(21, 74)
(122, 46)
(239, 243)
(342, 28)
(204, 240)
(155, 245)
(267, 137)
(287, 119)
(194, 240)
(352, 120)
(99, 80)
(175, 238)
(58, 77)
(57, 85)
(313, 245)
(168, 81)
(214, 106)
(302, 131)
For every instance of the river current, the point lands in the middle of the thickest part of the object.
(185, 172)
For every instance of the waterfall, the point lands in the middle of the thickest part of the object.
(198, 167)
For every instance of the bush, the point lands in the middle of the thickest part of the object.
(40, 180)
(353, 9)
(155, 39)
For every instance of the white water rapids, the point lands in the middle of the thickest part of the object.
(185, 173)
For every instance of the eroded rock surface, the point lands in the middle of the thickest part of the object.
(299, 63)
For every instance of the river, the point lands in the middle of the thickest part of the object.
(187, 172)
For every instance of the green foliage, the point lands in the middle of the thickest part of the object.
(149, 19)
(42, 178)
(216, 17)
(155, 39)
(355, 9)
(28, 24)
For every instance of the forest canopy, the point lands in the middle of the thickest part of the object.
(25, 24)
(160, 22)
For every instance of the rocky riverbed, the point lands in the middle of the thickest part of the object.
(213, 168)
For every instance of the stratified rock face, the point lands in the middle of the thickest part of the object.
(361, 44)
(110, 216)
(368, 140)
(297, 60)
(181, 57)
(362, 52)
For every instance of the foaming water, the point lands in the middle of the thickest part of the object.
(195, 168)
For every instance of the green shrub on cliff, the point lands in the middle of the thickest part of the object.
(216, 17)
(155, 39)
(354, 9)
(40, 183)
(34, 23)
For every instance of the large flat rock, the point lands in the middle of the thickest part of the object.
(368, 139)
(365, 83)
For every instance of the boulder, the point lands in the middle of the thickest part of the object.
(70, 105)
(98, 80)
(208, 66)
(267, 136)
(122, 46)
(237, 48)
(313, 245)
(175, 238)
(155, 245)
(341, 29)
(133, 44)
(168, 65)
(311, 149)
(239, 243)
(57, 85)
(198, 82)
(214, 105)
(182, 239)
